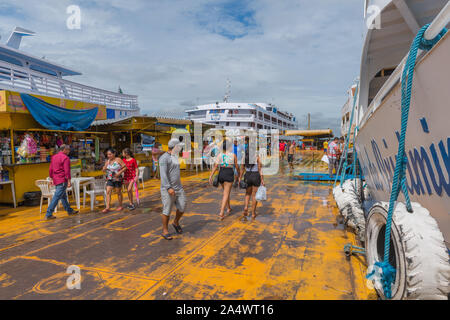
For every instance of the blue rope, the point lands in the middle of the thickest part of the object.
(399, 180)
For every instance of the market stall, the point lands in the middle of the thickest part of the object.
(130, 133)
(27, 147)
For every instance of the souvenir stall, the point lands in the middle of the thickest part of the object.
(26, 148)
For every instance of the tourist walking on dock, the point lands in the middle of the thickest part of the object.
(333, 150)
(172, 191)
(60, 177)
(131, 175)
(114, 168)
(325, 146)
(291, 154)
(253, 179)
(282, 149)
(226, 162)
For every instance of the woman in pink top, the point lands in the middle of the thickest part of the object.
(131, 175)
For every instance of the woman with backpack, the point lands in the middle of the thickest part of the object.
(253, 179)
(226, 162)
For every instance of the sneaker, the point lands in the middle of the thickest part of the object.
(131, 207)
(73, 213)
(52, 217)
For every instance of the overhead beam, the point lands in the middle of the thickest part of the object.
(407, 14)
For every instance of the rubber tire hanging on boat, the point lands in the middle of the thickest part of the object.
(418, 252)
(349, 204)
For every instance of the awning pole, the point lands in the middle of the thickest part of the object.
(13, 158)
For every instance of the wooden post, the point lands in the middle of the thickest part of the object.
(13, 157)
(131, 140)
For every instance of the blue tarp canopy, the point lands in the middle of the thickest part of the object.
(57, 118)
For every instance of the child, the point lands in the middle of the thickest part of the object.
(131, 175)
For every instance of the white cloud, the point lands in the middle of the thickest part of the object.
(299, 54)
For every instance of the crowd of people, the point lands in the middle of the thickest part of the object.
(233, 162)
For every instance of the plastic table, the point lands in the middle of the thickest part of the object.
(77, 183)
(13, 190)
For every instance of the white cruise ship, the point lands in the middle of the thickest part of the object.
(248, 116)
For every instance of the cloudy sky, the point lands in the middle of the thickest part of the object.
(301, 55)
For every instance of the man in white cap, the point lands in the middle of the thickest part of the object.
(171, 189)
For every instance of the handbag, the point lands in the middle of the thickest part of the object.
(216, 180)
(243, 185)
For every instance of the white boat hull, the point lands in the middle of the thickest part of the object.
(427, 139)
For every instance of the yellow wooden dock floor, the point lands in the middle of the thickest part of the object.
(293, 250)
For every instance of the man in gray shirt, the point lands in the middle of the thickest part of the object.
(171, 189)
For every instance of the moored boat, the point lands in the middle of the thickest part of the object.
(420, 235)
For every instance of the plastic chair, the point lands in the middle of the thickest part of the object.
(47, 192)
(67, 190)
(98, 187)
(141, 176)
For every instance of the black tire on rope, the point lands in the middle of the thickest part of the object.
(418, 252)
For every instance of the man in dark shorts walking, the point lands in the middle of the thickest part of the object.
(291, 153)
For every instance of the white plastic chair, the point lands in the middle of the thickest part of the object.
(47, 192)
(52, 188)
(75, 173)
(141, 176)
(98, 187)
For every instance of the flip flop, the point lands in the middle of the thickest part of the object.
(105, 210)
(221, 217)
(166, 236)
(177, 229)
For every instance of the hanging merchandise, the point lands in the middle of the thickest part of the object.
(28, 147)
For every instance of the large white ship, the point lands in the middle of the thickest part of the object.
(248, 116)
(24, 73)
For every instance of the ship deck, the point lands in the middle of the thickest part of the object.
(293, 250)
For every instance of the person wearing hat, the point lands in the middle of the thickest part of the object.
(171, 189)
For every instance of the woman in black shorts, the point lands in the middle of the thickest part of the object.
(226, 161)
(114, 168)
(253, 178)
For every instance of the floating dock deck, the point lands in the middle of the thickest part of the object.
(293, 250)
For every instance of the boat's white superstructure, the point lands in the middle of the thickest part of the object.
(420, 234)
(427, 140)
(247, 116)
(25, 73)
(347, 111)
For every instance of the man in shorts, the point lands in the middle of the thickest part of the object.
(332, 152)
(171, 189)
(291, 153)
(282, 149)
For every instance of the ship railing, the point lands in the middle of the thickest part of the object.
(439, 23)
(240, 116)
(197, 116)
(16, 78)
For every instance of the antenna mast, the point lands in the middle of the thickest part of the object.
(228, 93)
